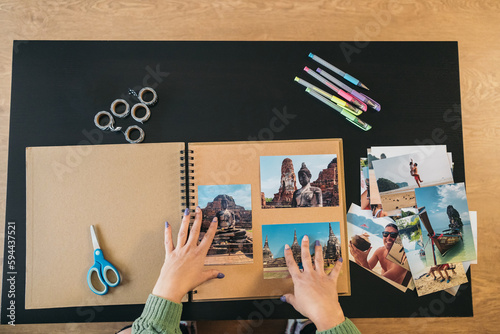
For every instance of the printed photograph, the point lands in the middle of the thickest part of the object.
(397, 178)
(397, 254)
(419, 154)
(299, 181)
(427, 279)
(232, 205)
(277, 235)
(365, 184)
(370, 241)
(446, 224)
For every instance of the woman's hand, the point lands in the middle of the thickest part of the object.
(183, 269)
(315, 292)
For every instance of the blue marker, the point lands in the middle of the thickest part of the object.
(336, 70)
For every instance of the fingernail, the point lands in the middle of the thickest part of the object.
(214, 220)
(287, 247)
(283, 299)
(220, 275)
(317, 243)
(166, 225)
(186, 212)
(198, 209)
(341, 259)
(305, 238)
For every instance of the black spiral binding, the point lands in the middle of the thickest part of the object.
(187, 180)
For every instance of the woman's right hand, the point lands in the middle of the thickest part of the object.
(315, 292)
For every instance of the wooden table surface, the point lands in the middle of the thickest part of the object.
(474, 24)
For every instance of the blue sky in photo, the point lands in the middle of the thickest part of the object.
(270, 169)
(280, 234)
(240, 192)
(436, 200)
(435, 169)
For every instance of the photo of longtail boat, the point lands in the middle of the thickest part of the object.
(444, 240)
(446, 226)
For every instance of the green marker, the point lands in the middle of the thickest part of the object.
(334, 99)
(350, 117)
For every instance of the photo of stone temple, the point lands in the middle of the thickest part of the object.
(298, 188)
(233, 240)
(331, 251)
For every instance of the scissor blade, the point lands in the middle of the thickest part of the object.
(94, 237)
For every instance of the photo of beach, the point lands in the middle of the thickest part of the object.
(445, 215)
(397, 177)
(427, 279)
(422, 156)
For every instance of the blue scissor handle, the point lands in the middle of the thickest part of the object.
(101, 267)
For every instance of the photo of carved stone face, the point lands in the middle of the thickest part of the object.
(299, 181)
(232, 205)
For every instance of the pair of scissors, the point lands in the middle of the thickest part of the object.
(107, 275)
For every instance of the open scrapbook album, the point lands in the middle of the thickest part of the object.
(265, 195)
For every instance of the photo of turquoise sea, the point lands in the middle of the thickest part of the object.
(462, 250)
(442, 203)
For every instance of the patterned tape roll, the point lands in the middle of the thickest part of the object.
(111, 123)
(136, 107)
(118, 102)
(145, 90)
(127, 134)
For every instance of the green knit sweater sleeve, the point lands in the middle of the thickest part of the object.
(346, 327)
(159, 316)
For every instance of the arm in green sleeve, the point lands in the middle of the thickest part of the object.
(346, 327)
(159, 316)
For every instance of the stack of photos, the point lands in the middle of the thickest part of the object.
(232, 205)
(370, 241)
(413, 187)
(299, 181)
(276, 236)
(427, 278)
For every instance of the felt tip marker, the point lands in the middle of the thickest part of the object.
(340, 102)
(362, 97)
(338, 71)
(340, 92)
(348, 116)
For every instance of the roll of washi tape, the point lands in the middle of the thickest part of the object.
(140, 96)
(108, 126)
(136, 107)
(118, 102)
(130, 129)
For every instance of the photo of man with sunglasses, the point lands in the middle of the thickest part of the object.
(390, 270)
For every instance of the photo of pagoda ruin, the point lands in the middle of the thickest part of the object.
(233, 240)
(299, 181)
(277, 235)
